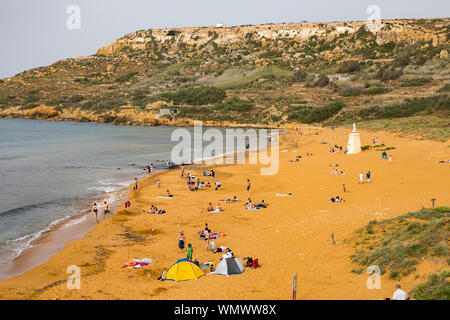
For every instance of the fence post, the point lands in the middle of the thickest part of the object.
(294, 287)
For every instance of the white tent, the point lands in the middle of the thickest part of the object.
(354, 142)
(229, 266)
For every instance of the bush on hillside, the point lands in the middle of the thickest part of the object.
(195, 95)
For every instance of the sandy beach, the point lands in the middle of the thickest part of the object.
(291, 236)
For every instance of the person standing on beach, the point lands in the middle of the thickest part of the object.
(136, 184)
(361, 177)
(95, 210)
(181, 239)
(213, 174)
(190, 251)
(248, 185)
(105, 208)
(390, 158)
(368, 176)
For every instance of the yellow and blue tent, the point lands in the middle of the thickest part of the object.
(183, 270)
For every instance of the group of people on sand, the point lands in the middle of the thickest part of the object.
(250, 205)
(361, 177)
(194, 183)
(384, 156)
(336, 172)
(211, 208)
(105, 210)
(336, 199)
(154, 210)
(148, 169)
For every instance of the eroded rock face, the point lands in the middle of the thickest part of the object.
(391, 30)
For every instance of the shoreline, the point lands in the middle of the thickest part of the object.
(48, 242)
(249, 233)
(51, 240)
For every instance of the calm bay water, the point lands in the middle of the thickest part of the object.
(52, 170)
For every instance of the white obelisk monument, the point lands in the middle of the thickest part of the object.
(354, 143)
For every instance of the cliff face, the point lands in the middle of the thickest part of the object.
(235, 37)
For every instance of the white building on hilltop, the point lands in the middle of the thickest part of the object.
(354, 142)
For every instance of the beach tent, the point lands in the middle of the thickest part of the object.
(184, 269)
(354, 142)
(229, 266)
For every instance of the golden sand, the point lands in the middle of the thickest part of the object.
(291, 236)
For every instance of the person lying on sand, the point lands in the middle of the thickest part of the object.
(168, 194)
(296, 160)
(210, 207)
(218, 185)
(283, 195)
(154, 210)
(261, 204)
(248, 203)
(337, 199)
(235, 199)
(221, 249)
(443, 161)
(333, 165)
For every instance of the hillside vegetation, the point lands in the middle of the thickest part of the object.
(399, 245)
(267, 75)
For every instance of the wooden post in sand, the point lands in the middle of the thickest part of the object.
(294, 287)
(332, 238)
(432, 202)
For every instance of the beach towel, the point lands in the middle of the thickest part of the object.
(250, 208)
(283, 195)
(137, 260)
(163, 197)
(215, 235)
(135, 265)
(214, 211)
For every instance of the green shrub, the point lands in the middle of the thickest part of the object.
(126, 77)
(445, 88)
(76, 98)
(377, 90)
(389, 73)
(299, 76)
(351, 92)
(323, 81)
(349, 66)
(195, 95)
(235, 104)
(32, 96)
(437, 287)
(414, 82)
(307, 114)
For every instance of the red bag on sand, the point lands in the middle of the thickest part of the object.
(254, 263)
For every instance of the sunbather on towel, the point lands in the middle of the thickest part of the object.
(261, 204)
(337, 199)
(221, 249)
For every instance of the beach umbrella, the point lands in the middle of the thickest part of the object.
(229, 266)
(183, 270)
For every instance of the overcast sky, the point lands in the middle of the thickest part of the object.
(34, 33)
